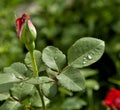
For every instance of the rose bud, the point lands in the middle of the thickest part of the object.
(26, 31)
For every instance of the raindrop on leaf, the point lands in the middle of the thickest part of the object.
(90, 57)
(84, 62)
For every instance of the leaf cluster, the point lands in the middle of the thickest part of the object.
(17, 83)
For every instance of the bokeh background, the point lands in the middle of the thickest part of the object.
(60, 23)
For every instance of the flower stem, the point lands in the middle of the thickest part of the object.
(41, 96)
(36, 75)
(90, 99)
(34, 64)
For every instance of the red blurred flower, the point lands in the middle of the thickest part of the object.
(112, 99)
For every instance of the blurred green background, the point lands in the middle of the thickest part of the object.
(60, 23)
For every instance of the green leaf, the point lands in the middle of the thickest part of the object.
(72, 79)
(11, 105)
(53, 58)
(36, 100)
(6, 87)
(48, 85)
(85, 51)
(51, 73)
(8, 78)
(87, 72)
(114, 81)
(65, 92)
(92, 84)
(49, 89)
(73, 103)
(28, 60)
(21, 91)
(19, 69)
(39, 80)
(4, 96)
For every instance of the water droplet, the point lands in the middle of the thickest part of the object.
(90, 57)
(84, 62)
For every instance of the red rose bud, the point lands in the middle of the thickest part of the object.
(112, 99)
(25, 30)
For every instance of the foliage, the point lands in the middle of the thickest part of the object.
(18, 83)
(60, 23)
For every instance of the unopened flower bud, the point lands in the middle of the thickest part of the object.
(26, 31)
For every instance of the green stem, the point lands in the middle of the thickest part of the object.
(90, 99)
(41, 96)
(34, 64)
(36, 75)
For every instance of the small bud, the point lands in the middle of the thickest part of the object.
(26, 31)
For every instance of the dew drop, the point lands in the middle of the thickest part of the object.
(89, 57)
(84, 62)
